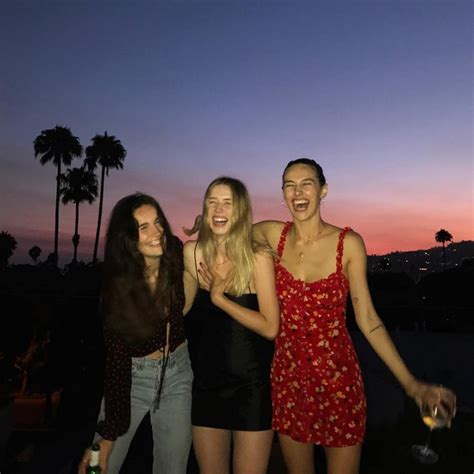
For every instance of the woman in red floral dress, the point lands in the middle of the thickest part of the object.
(318, 394)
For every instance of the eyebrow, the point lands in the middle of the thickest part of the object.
(286, 181)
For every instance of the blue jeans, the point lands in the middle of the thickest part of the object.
(171, 422)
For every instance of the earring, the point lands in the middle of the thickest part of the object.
(283, 203)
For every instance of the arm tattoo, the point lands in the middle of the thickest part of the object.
(376, 327)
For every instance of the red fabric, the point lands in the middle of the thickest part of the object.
(317, 389)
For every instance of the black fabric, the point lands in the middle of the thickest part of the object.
(231, 365)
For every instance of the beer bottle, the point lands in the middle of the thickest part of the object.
(94, 467)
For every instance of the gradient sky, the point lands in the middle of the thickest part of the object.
(378, 92)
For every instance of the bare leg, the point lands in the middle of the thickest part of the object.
(343, 460)
(251, 451)
(298, 456)
(212, 449)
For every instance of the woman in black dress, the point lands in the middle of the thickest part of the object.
(230, 284)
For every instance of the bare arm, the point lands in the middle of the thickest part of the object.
(267, 233)
(266, 320)
(190, 282)
(374, 330)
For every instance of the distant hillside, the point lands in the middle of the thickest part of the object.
(421, 262)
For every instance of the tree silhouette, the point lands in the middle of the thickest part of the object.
(106, 152)
(59, 146)
(7, 247)
(78, 185)
(443, 236)
(34, 253)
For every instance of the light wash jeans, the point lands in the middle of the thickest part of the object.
(171, 422)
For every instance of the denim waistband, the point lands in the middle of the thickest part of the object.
(174, 358)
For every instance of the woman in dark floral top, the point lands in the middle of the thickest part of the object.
(147, 362)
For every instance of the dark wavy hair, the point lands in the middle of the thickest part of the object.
(130, 308)
(308, 162)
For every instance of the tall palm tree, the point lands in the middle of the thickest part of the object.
(107, 152)
(34, 253)
(7, 247)
(443, 236)
(78, 185)
(60, 146)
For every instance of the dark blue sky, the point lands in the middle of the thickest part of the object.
(379, 92)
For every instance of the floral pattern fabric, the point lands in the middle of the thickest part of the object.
(317, 389)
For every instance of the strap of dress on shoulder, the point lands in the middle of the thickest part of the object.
(340, 247)
(195, 264)
(281, 242)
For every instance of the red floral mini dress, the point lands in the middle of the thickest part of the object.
(317, 389)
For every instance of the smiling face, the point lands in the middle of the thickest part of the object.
(219, 204)
(302, 191)
(150, 233)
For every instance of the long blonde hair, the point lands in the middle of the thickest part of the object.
(239, 246)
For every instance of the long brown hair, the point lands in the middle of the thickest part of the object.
(130, 309)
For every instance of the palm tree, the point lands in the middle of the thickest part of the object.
(107, 152)
(443, 236)
(34, 253)
(7, 247)
(60, 146)
(78, 185)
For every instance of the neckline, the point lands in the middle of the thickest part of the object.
(227, 294)
(314, 282)
(339, 249)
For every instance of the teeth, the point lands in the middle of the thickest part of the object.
(219, 220)
(300, 205)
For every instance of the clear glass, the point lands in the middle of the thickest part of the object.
(435, 417)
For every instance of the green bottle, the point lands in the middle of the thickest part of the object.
(94, 467)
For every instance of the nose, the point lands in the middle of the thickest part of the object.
(298, 189)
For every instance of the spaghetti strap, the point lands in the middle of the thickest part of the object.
(282, 241)
(196, 265)
(340, 248)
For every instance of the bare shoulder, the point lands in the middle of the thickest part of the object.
(189, 250)
(189, 247)
(354, 244)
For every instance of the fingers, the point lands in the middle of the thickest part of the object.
(81, 469)
(205, 274)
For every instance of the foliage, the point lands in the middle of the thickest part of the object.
(59, 146)
(8, 245)
(34, 253)
(105, 152)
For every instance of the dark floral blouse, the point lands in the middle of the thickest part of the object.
(118, 368)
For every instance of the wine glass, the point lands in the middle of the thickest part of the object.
(438, 416)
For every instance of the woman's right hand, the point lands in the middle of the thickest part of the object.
(104, 453)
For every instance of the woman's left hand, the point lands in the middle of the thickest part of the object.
(434, 396)
(212, 280)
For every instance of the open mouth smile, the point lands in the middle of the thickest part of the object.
(219, 221)
(300, 204)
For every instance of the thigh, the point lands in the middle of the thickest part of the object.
(122, 443)
(343, 460)
(212, 449)
(298, 456)
(171, 421)
(140, 399)
(251, 451)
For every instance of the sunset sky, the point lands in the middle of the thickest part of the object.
(378, 92)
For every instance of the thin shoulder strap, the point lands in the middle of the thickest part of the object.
(195, 264)
(340, 248)
(281, 242)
